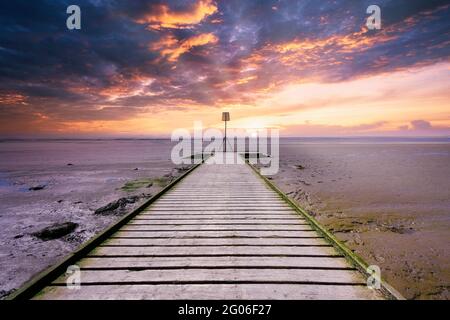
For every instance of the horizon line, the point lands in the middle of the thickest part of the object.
(281, 137)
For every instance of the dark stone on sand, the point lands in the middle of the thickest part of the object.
(131, 199)
(300, 167)
(150, 184)
(311, 213)
(59, 201)
(145, 195)
(401, 230)
(136, 169)
(56, 231)
(115, 206)
(18, 236)
(109, 207)
(70, 164)
(38, 187)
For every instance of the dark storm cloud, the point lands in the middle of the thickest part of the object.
(136, 56)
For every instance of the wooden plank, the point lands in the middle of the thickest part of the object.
(213, 251)
(246, 200)
(232, 191)
(219, 199)
(211, 275)
(221, 212)
(227, 186)
(224, 197)
(206, 227)
(224, 216)
(216, 241)
(223, 185)
(219, 206)
(213, 292)
(242, 234)
(209, 222)
(177, 262)
(242, 196)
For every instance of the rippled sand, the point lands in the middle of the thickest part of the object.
(98, 172)
(388, 201)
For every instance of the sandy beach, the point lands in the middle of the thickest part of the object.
(78, 178)
(387, 200)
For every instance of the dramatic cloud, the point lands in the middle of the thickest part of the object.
(161, 16)
(171, 48)
(135, 64)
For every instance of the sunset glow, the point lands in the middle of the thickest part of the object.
(150, 68)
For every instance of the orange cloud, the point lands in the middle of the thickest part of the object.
(162, 17)
(306, 51)
(12, 98)
(246, 79)
(172, 49)
(122, 87)
(317, 52)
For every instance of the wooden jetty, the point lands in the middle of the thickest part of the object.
(220, 232)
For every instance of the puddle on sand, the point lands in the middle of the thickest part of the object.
(3, 181)
(6, 185)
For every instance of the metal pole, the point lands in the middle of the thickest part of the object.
(225, 139)
(257, 145)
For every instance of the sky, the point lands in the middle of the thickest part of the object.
(145, 68)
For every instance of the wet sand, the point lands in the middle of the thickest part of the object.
(389, 202)
(79, 178)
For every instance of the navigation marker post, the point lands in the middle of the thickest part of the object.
(225, 118)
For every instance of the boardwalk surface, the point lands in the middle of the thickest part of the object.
(221, 233)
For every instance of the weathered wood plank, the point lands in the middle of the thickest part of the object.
(213, 292)
(243, 234)
(217, 241)
(162, 262)
(193, 202)
(171, 276)
(226, 216)
(219, 206)
(228, 194)
(181, 210)
(221, 212)
(224, 197)
(209, 222)
(216, 250)
(231, 190)
(206, 227)
(224, 203)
